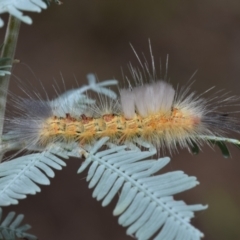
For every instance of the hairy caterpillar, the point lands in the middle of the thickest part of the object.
(150, 112)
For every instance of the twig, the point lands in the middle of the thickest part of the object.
(8, 52)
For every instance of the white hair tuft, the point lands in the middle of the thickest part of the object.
(147, 99)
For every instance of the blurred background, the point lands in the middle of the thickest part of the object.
(92, 36)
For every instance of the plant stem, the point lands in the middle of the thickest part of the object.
(8, 52)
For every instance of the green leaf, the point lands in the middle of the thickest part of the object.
(223, 147)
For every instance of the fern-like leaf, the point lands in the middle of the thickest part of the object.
(145, 203)
(10, 227)
(78, 100)
(15, 8)
(20, 176)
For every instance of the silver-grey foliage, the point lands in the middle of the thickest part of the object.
(145, 204)
(10, 227)
(20, 176)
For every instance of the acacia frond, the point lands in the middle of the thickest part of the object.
(15, 8)
(20, 176)
(78, 100)
(145, 204)
(10, 227)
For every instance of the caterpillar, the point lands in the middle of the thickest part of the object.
(152, 112)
